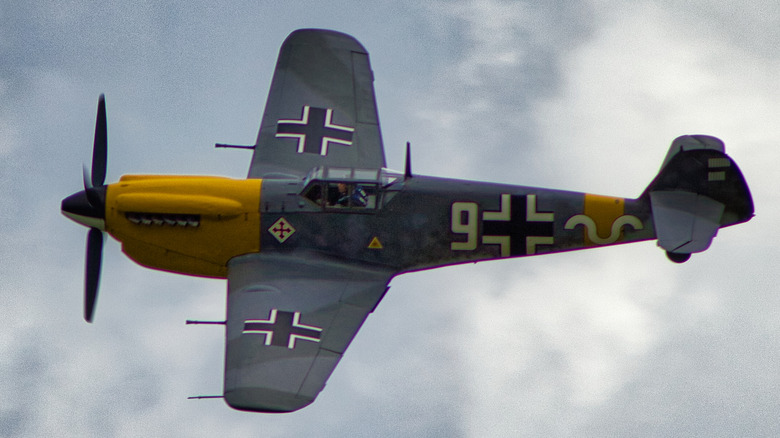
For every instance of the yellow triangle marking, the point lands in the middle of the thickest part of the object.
(375, 244)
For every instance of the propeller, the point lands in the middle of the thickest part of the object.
(88, 208)
(100, 146)
(92, 274)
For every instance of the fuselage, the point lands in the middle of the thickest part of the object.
(194, 225)
(426, 222)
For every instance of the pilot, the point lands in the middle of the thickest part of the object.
(357, 197)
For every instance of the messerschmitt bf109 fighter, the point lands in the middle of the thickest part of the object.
(311, 239)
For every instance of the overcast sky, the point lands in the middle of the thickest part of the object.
(576, 95)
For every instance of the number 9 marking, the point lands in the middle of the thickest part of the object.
(464, 221)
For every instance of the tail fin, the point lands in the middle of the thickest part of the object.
(698, 190)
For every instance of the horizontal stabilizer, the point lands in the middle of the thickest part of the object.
(685, 222)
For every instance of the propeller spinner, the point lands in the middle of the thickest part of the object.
(88, 208)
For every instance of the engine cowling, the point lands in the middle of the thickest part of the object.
(185, 224)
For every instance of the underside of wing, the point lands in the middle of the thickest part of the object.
(289, 320)
(321, 110)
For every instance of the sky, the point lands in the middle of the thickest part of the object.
(575, 95)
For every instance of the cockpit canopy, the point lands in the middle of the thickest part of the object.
(347, 188)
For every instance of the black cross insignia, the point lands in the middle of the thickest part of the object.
(282, 329)
(519, 229)
(315, 131)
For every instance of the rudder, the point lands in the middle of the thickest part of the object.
(698, 190)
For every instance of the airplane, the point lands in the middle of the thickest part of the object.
(310, 240)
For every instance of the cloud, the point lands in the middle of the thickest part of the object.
(586, 333)
(504, 57)
(583, 96)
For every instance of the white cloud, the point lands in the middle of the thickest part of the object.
(9, 137)
(593, 343)
(644, 78)
(9, 130)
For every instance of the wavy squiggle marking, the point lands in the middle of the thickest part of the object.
(592, 229)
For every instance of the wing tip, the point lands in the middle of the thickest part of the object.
(325, 38)
(265, 400)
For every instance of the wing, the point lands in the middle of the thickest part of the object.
(321, 110)
(289, 321)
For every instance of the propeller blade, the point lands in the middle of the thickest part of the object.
(92, 277)
(100, 146)
(86, 176)
(93, 196)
